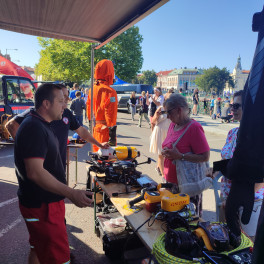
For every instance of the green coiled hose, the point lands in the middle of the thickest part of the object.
(163, 257)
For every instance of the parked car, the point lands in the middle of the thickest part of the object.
(16, 94)
(124, 91)
(123, 101)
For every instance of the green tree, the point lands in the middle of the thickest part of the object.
(71, 60)
(149, 77)
(214, 79)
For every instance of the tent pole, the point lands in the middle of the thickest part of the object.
(92, 84)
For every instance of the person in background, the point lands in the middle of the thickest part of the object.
(226, 112)
(75, 88)
(227, 153)
(133, 104)
(41, 179)
(212, 105)
(86, 92)
(169, 93)
(153, 101)
(217, 108)
(205, 103)
(192, 146)
(180, 91)
(143, 111)
(158, 135)
(195, 101)
(104, 103)
(77, 106)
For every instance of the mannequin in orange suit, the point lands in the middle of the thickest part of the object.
(104, 104)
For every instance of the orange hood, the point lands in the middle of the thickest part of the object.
(104, 70)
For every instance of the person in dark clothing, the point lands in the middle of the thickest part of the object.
(143, 111)
(154, 101)
(77, 106)
(41, 179)
(195, 101)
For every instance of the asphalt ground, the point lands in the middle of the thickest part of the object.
(85, 245)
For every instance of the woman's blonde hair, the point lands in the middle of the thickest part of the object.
(143, 93)
(133, 93)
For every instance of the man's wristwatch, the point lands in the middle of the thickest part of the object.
(182, 157)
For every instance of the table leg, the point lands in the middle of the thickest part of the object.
(68, 166)
(76, 165)
(94, 208)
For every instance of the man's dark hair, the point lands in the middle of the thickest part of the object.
(45, 92)
(61, 85)
(78, 93)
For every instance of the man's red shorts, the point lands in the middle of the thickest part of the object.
(47, 232)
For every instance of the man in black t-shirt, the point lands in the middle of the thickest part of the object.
(41, 179)
(60, 127)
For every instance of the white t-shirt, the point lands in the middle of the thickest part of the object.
(160, 100)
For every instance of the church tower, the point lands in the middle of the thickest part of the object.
(238, 69)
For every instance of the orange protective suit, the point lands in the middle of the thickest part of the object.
(104, 101)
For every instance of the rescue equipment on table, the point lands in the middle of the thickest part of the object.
(156, 195)
(118, 164)
(3, 131)
(77, 139)
(191, 243)
(120, 153)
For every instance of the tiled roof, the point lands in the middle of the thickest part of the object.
(182, 71)
(163, 73)
(246, 72)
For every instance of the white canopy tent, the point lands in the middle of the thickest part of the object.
(96, 21)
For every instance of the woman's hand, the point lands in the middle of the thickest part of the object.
(209, 173)
(172, 154)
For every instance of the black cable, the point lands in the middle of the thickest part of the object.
(134, 232)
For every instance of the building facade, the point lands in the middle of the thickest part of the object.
(162, 79)
(183, 78)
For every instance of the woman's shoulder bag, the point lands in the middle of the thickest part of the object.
(191, 175)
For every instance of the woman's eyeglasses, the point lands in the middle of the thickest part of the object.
(235, 106)
(169, 111)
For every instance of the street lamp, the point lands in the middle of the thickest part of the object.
(9, 49)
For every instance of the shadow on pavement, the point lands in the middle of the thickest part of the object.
(82, 253)
(120, 136)
(122, 123)
(211, 124)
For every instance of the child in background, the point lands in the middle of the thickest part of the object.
(212, 105)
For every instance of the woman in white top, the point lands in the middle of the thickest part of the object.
(154, 101)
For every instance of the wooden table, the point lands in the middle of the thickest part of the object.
(74, 146)
(148, 235)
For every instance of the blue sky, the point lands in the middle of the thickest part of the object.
(186, 33)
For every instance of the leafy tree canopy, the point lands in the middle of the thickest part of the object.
(147, 77)
(214, 79)
(71, 60)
